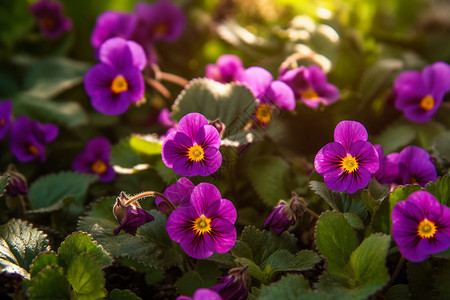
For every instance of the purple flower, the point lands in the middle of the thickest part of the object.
(117, 81)
(415, 166)
(347, 163)
(205, 224)
(228, 68)
(310, 85)
(94, 159)
(421, 226)
(281, 218)
(388, 170)
(28, 138)
(194, 148)
(164, 118)
(112, 24)
(52, 22)
(235, 285)
(159, 21)
(202, 294)
(178, 193)
(419, 94)
(129, 215)
(5, 117)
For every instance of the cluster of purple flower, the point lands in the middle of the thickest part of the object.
(27, 137)
(50, 18)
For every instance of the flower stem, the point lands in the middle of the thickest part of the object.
(172, 78)
(312, 213)
(149, 194)
(159, 87)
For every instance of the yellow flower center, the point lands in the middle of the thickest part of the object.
(33, 150)
(349, 164)
(264, 113)
(202, 224)
(196, 153)
(426, 229)
(160, 29)
(119, 84)
(310, 94)
(99, 167)
(427, 102)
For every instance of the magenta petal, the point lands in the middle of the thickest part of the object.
(436, 78)
(329, 158)
(197, 246)
(115, 53)
(224, 235)
(205, 294)
(440, 242)
(227, 211)
(173, 149)
(191, 123)
(257, 79)
(208, 136)
(366, 155)
(110, 104)
(180, 222)
(178, 193)
(348, 132)
(203, 196)
(281, 95)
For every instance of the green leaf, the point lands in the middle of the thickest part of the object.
(395, 137)
(48, 193)
(420, 279)
(42, 261)
(264, 243)
(291, 287)
(67, 113)
(440, 189)
(20, 243)
(398, 292)
(124, 155)
(333, 198)
(151, 246)
(86, 277)
(354, 221)
(146, 144)
(79, 243)
(43, 286)
(232, 103)
(283, 260)
(441, 148)
(373, 196)
(189, 283)
(442, 278)
(3, 182)
(336, 240)
(52, 76)
(270, 176)
(253, 269)
(209, 272)
(427, 133)
(368, 263)
(122, 295)
(382, 221)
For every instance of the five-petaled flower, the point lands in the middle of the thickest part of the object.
(421, 226)
(94, 159)
(5, 117)
(178, 193)
(50, 18)
(419, 94)
(117, 81)
(205, 224)
(347, 163)
(310, 85)
(193, 149)
(228, 68)
(29, 137)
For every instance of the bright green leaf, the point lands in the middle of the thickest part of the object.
(50, 283)
(42, 261)
(123, 155)
(440, 189)
(146, 144)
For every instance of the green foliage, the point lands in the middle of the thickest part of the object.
(270, 176)
(440, 189)
(42, 261)
(151, 246)
(3, 182)
(203, 276)
(395, 137)
(124, 155)
(398, 292)
(20, 243)
(122, 295)
(43, 285)
(232, 103)
(50, 192)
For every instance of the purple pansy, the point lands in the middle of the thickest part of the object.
(112, 24)
(421, 226)
(194, 148)
(228, 68)
(205, 225)
(347, 163)
(29, 137)
(5, 117)
(164, 118)
(117, 81)
(94, 159)
(281, 218)
(159, 21)
(388, 170)
(310, 85)
(178, 193)
(234, 286)
(129, 215)
(415, 166)
(50, 18)
(419, 94)
(202, 294)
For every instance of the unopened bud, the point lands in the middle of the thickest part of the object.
(129, 215)
(235, 285)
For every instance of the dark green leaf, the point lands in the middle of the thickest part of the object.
(51, 190)
(79, 243)
(3, 182)
(208, 271)
(232, 103)
(125, 156)
(440, 189)
(283, 260)
(420, 278)
(270, 176)
(253, 270)
(189, 283)
(441, 148)
(67, 113)
(122, 295)
(331, 197)
(20, 243)
(395, 137)
(442, 278)
(42, 261)
(242, 249)
(336, 240)
(43, 286)
(398, 292)
(86, 277)
(427, 133)
(354, 221)
(378, 191)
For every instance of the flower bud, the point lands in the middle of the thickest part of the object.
(235, 285)
(130, 216)
(218, 125)
(281, 218)
(17, 183)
